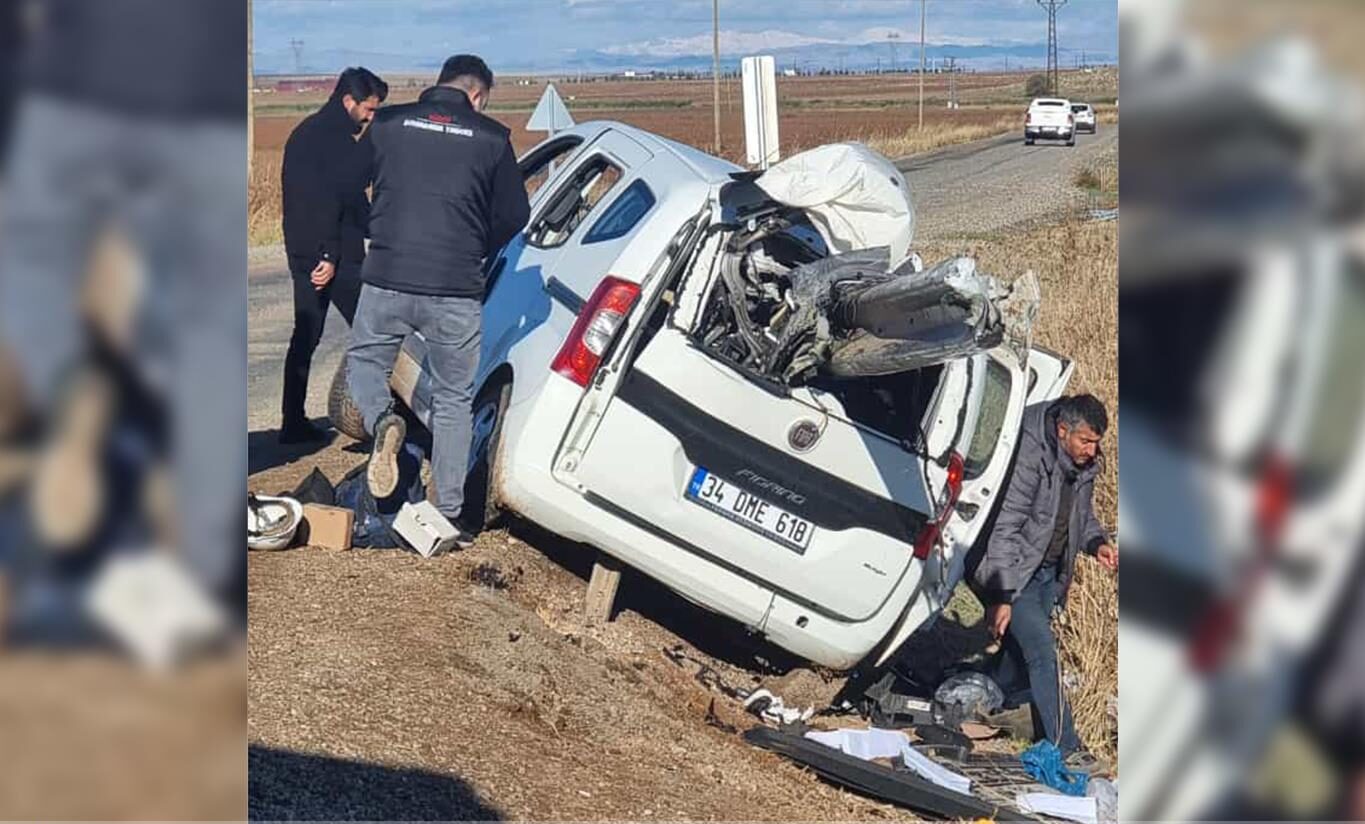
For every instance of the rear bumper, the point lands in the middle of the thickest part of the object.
(1048, 133)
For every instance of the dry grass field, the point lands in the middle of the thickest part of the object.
(878, 110)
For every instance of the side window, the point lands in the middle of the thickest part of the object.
(622, 215)
(537, 167)
(573, 202)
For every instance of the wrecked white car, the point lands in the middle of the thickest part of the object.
(746, 386)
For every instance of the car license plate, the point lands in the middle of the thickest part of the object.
(749, 510)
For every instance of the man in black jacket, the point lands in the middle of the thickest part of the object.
(447, 195)
(328, 162)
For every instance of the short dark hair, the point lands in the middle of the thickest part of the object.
(361, 84)
(1086, 409)
(466, 65)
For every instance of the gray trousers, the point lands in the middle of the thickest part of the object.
(177, 191)
(452, 329)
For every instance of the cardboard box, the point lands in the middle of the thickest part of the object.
(328, 527)
(425, 529)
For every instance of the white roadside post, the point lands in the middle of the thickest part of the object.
(760, 111)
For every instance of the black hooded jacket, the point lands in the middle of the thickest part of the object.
(326, 171)
(447, 195)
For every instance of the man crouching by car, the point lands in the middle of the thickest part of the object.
(1046, 519)
(447, 195)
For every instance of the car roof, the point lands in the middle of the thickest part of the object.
(1061, 101)
(708, 168)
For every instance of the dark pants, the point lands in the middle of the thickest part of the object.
(1029, 654)
(310, 313)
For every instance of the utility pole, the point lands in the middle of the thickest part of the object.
(891, 38)
(921, 65)
(952, 82)
(250, 94)
(715, 68)
(297, 46)
(1051, 7)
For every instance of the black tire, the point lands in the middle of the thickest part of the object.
(342, 411)
(482, 508)
(1028, 141)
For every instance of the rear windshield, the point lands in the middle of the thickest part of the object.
(1049, 103)
(1079, 108)
(893, 405)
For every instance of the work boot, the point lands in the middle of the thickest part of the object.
(303, 431)
(382, 472)
(67, 497)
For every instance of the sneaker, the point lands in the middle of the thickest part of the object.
(382, 473)
(302, 432)
(464, 539)
(1086, 762)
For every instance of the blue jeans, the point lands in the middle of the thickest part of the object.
(1030, 653)
(452, 330)
(176, 192)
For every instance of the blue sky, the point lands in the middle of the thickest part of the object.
(536, 34)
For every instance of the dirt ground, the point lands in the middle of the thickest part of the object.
(383, 685)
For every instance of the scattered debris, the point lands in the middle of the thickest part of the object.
(966, 696)
(901, 787)
(271, 521)
(1043, 762)
(425, 529)
(1083, 810)
(713, 720)
(491, 576)
(767, 706)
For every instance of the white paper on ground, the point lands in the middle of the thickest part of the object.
(1070, 807)
(865, 744)
(935, 772)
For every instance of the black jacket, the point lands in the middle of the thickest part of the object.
(326, 211)
(166, 59)
(447, 194)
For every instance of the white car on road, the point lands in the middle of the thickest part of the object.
(1085, 117)
(1050, 118)
(632, 393)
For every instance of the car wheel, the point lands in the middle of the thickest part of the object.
(1028, 141)
(481, 505)
(342, 411)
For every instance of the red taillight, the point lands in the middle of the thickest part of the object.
(952, 488)
(1221, 623)
(1274, 494)
(598, 322)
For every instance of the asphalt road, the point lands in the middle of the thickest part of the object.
(968, 190)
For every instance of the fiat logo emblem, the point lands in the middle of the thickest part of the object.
(803, 435)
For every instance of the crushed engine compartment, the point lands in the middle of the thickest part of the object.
(786, 311)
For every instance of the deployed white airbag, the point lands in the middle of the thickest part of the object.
(856, 198)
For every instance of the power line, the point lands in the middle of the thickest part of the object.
(297, 46)
(1051, 7)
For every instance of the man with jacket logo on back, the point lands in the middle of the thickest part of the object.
(447, 195)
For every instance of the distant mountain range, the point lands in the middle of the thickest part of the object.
(805, 57)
